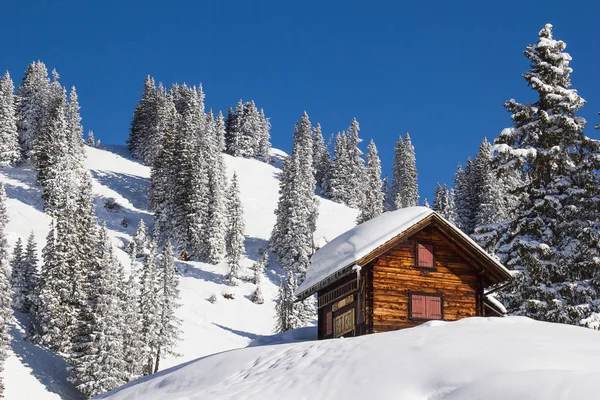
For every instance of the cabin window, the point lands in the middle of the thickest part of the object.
(425, 255)
(425, 306)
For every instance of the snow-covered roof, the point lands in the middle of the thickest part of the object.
(348, 248)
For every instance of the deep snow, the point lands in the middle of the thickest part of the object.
(474, 358)
(34, 373)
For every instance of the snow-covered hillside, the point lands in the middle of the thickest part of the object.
(33, 373)
(474, 358)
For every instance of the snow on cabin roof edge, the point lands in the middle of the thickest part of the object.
(356, 243)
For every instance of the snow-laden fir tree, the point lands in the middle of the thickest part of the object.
(263, 150)
(426, 203)
(405, 192)
(143, 129)
(258, 268)
(233, 130)
(32, 98)
(74, 134)
(335, 184)
(464, 198)
(297, 208)
(133, 344)
(5, 289)
(356, 177)
(374, 195)
(289, 313)
(215, 216)
(30, 261)
(441, 200)
(235, 230)
(91, 140)
(257, 295)
(141, 240)
(553, 241)
(10, 152)
(149, 311)
(97, 363)
(220, 132)
(321, 158)
(251, 129)
(23, 275)
(168, 298)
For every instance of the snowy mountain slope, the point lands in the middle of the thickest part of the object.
(474, 358)
(207, 328)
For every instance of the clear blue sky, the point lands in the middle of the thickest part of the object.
(440, 70)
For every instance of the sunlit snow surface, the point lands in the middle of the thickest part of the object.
(475, 358)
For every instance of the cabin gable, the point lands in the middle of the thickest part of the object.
(406, 293)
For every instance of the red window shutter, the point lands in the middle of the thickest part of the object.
(425, 255)
(329, 323)
(417, 306)
(433, 307)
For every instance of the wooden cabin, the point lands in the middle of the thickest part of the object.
(397, 271)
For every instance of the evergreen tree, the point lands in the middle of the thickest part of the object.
(133, 344)
(17, 278)
(321, 158)
(297, 208)
(235, 230)
(263, 151)
(465, 199)
(290, 314)
(97, 364)
(74, 134)
(405, 191)
(10, 152)
(489, 196)
(30, 273)
(149, 312)
(141, 240)
(258, 268)
(336, 188)
(33, 96)
(233, 130)
(552, 243)
(91, 141)
(426, 203)
(5, 289)
(356, 177)
(168, 296)
(143, 124)
(220, 132)
(214, 240)
(374, 195)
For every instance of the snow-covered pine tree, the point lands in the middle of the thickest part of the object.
(141, 240)
(133, 344)
(251, 130)
(258, 268)
(489, 196)
(32, 98)
(297, 208)
(216, 217)
(356, 178)
(290, 314)
(426, 203)
(91, 140)
(97, 364)
(263, 150)
(5, 289)
(235, 230)
(17, 278)
(149, 311)
(168, 297)
(336, 188)
(220, 132)
(441, 199)
(143, 124)
(552, 242)
(321, 158)
(43, 294)
(10, 152)
(233, 130)
(405, 191)
(23, 275)
(464, 198)
(374, 195)
(451, 210)
(74, 134)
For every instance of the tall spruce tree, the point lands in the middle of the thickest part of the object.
(374, 195)
(143, 124)
(336, 188)
(10, 152)
(321, 158)
(23, 275)
(97, 364)
(263, 150)
(297, 208)
(168, 297)
(406, 191)
(235, 230)
(32, 99)
(552, 242)
(149, 312)
(465, 200)
(5, 289)
(133, 344)
(233, 130)
(356, 177)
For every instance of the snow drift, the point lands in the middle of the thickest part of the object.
(474, 358)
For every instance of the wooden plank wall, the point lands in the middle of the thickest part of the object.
(394, 276)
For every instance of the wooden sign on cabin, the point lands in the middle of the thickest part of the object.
(399, 270)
